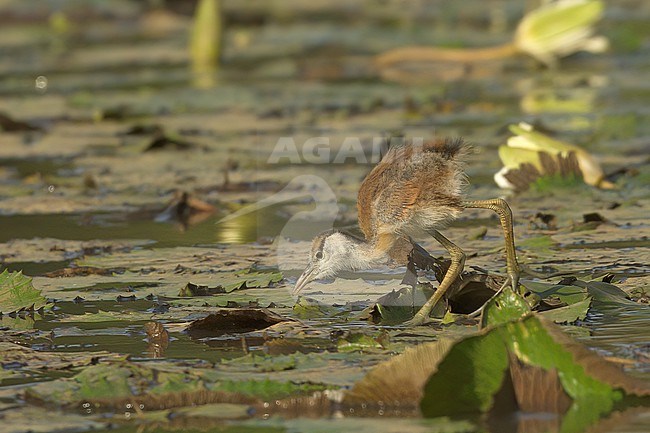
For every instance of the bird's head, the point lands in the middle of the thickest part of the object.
(331, 252)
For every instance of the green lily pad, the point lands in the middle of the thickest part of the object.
(569, 313)
(111, 384)
(358, 342)
(507, 306)
(565, 293)
(475, 369)
(17, 293)
(604, 292)
(307, 308)
(250, 279)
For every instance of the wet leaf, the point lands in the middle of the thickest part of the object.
(192, 289)
(234, 321)
(358, 342)
(250, 279)
(112, 385)
(570, 313)
(30, 418)
(307, 308)
(604, 292)
(401, 305)
(18, 293)
(507, 306)
(567, 294)
(584, 376)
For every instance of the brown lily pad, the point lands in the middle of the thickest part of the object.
(234, 321)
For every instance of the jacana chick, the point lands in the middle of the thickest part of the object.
(414, 188)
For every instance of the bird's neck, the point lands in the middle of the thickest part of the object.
(369, 253)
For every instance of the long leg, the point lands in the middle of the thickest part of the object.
(504, 212)
(456, 267)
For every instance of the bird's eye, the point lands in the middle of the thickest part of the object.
(319, 255)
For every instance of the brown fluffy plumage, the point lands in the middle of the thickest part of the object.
(413, 187)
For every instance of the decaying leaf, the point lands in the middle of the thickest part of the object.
(17, 293)
(400, 380)
(186, 209)
(234, 321)
(9, 124)
(157, 339)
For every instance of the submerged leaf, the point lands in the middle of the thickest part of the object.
(18, 293)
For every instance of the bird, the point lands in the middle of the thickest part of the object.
(417, 187)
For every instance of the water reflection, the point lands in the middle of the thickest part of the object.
(622, 332)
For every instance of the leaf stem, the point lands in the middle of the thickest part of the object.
(433, 54)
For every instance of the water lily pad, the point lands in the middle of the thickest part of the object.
(570, 313)
(584, 377)
(111, 385)
(507, 306)
(234, 321)
(18, 293)
(359, 342)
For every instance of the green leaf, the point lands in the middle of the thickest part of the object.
(358, 342)
(605, 292)
(473, 372)
(97, 382)
(112, 383)
(566, 294)
(506, 306)
(307, 308)
(18, 293)
(250, 279)
(569, 313)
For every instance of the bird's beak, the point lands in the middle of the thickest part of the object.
(306, 278)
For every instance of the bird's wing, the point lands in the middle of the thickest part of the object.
(397, 202)
(376, 184)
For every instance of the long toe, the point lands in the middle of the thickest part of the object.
(417, 320)
(514, 281)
